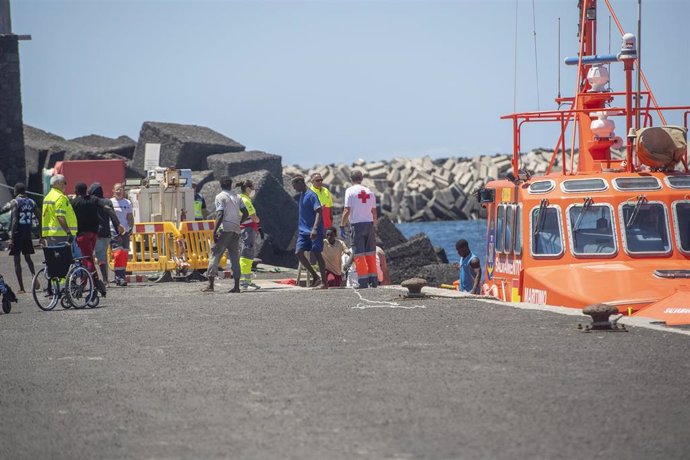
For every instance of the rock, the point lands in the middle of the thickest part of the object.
(91, 155)
(441, 254)
(405, 260)
(41, 150)
(438, 274)
(182, 146)
(387, 234)
(273, 255)
(123, 146)
(201, 178)
(236, 164)
(274, 206)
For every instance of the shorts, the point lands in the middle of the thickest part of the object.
(305, 243)
(101, 250)
(23, 244)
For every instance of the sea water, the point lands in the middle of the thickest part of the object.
(446, 233)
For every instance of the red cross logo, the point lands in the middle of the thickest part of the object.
(364, 196)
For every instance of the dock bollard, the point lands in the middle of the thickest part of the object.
(414, 287)
(600, 313)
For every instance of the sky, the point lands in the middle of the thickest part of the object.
(325, 81)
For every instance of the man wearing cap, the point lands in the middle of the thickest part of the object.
(59, 223)
(310, 231)
(325, 199)
(360, 213)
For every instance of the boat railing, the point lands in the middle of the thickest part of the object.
(567, 115)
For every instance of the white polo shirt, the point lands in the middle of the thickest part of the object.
(361, 201)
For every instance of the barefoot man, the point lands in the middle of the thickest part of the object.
(310, 231)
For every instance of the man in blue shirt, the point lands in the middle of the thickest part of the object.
(310, 231)
(24, 211)
(470, 269)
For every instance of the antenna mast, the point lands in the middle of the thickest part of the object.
(639, 64)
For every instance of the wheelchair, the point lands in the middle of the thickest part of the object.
(65, 280)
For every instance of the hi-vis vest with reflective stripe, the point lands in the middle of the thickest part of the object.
(250, 210)
(198, 214)
(324, 196)
(56, 204)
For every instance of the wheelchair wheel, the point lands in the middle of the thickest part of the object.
(79, 287)
(64, 301)
(45, 291)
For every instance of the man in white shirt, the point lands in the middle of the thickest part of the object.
(360, 213)
(119, 242)
(230, 212)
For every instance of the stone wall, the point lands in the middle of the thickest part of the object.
(422, 189)
(11, 132)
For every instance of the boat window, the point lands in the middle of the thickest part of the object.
(681, 216)
(500, 224)
(591, 229)
(510, 222)
(517, 246)
(678, 181)
(584, 185)
(645, 228)
(546, 237)
(542, 186)
(637, 183)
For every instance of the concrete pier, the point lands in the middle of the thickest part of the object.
(163, 371)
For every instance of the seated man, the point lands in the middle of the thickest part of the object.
(333, 250)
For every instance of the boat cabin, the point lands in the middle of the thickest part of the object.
(557, 239)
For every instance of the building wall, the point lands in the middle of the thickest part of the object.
(11, 127)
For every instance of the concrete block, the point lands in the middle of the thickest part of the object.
(183, 146)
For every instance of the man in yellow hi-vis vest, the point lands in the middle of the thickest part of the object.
(200, 212)
(325, 198)
(59, 223)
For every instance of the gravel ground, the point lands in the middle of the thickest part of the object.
(164, 371)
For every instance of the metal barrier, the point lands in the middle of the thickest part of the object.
(198, 239)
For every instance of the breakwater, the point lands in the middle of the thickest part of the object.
(425, 189)
(408, 190)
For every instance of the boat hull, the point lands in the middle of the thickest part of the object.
(623, 284)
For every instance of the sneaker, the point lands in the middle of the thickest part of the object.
(208, 289)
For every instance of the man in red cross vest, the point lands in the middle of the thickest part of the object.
(360, 213)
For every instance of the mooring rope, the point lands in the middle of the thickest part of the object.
(366, 303)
